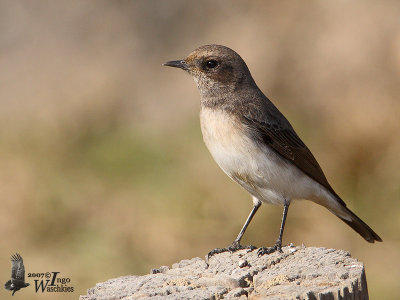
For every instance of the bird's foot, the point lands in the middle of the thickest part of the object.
(268, 250)
(235, 246)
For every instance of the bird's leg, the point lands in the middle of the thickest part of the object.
(236, 243)
(279, 241)
(278, 244)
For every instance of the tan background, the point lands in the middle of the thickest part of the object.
(103, 171)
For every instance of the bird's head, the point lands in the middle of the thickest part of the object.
(215, 69)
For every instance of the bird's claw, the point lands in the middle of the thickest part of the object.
(268, 250)
(232, 248)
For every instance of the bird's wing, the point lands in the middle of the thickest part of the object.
(271, 128)
(17, 269)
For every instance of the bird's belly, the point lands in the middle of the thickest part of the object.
(257, 168)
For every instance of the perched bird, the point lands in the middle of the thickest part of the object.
(17, 281)
(254, 144)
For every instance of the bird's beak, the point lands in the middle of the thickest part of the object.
(177, 64)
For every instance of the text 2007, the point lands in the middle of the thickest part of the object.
(38, 275)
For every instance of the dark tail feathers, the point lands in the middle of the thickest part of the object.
(360, 227)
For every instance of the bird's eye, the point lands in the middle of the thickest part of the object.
(211, 64)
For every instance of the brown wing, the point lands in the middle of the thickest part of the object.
(271, 128)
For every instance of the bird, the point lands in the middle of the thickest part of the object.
(255, 145)
(17, 281)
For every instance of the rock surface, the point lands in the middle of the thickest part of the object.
(297, 273)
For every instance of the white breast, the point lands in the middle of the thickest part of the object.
(257, 168)
(225, 138)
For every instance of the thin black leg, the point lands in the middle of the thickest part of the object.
(236, 243)
(278, 244)
(248, 220)
(279, 241)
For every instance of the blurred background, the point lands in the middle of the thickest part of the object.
(103, 171)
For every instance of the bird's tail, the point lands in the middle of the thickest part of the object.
(350, 218)
(7, 285)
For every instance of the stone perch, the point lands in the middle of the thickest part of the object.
(297, 273)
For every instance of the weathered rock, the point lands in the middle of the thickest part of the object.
(297, 273)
